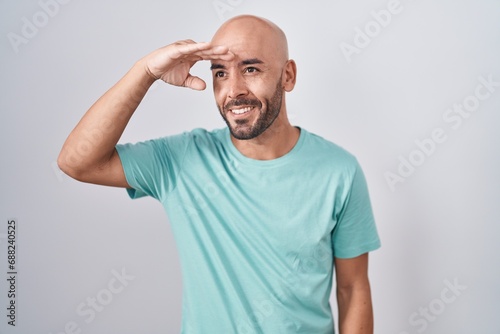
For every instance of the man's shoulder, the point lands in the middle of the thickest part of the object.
(201, 133)
(326, 149)
(198, 135)
(201, 138)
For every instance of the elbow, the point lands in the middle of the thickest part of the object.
(361, 284)
(61, 163)
(69, 166)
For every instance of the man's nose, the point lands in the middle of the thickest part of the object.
(237, 86)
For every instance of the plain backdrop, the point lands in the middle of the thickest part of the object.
(379, 86)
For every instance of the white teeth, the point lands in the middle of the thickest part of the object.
(241, 111)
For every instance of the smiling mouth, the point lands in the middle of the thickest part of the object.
(240, 111)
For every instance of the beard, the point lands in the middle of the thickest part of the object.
(243, 130)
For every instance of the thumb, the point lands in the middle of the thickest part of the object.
(195, 83)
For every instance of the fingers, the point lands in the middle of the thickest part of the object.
(202, 51)
(217, 52)
(173, 62)
(195, 83)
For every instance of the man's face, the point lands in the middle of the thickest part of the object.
(250, 113)
(248, 89)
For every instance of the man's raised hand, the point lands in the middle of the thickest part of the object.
(173, 62)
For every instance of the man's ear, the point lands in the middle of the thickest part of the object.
(289, 75)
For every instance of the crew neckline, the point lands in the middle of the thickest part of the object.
(264, 163)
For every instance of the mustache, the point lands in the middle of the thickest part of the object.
(242, 102)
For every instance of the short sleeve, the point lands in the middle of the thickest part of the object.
(355, 232)
(151, 166)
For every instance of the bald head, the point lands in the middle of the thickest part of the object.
(249, 88)
(248, 31)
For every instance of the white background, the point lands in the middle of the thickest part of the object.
(440, 224)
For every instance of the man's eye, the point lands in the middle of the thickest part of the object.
(251, 70)
(219, 74)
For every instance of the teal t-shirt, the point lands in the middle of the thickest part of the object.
(256, 238)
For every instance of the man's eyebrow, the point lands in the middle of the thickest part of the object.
(251, 61)
(217, 66)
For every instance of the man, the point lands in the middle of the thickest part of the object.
(261, 210)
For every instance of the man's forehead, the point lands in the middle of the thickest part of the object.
(249, 36)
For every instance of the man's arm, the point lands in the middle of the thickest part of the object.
(89, 153)
(354, 296)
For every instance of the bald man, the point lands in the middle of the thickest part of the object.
(262, 211)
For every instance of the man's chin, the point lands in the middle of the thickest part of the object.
(243, 134)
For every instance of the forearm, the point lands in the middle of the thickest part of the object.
(93, 140)
(355, 310)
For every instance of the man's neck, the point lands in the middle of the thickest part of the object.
(275, 142)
